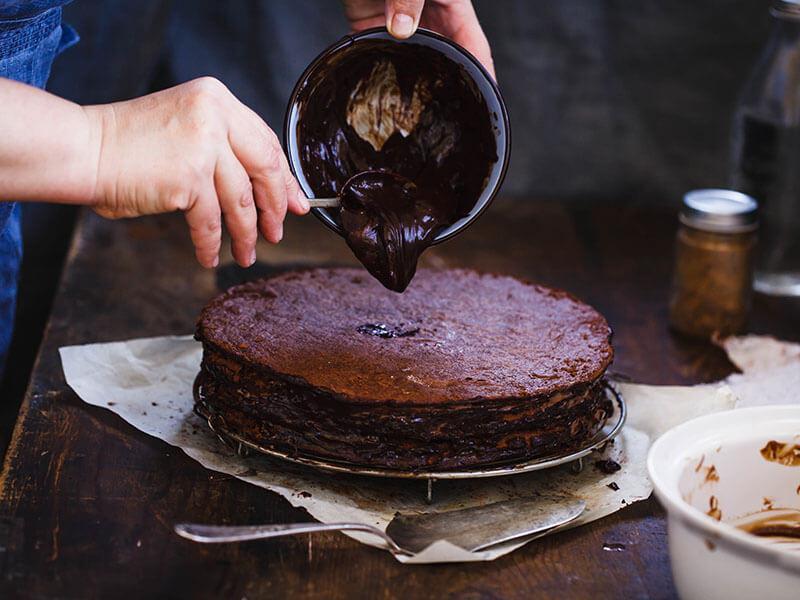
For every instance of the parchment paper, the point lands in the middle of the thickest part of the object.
(148, 382)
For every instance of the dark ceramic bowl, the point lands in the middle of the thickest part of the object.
(303, 94)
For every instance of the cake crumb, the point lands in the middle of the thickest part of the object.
(607, 466)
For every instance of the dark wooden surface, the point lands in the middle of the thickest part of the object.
(87, 502)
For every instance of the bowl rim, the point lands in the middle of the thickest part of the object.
(665, 467)
(504, 153)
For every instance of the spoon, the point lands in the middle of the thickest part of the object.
(472, 529)
(364, 181)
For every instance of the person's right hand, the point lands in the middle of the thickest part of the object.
(195, 148)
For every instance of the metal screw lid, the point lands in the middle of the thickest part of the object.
(723, 211)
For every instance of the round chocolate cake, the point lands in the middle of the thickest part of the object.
(463, 369)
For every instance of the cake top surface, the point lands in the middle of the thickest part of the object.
(453, 336)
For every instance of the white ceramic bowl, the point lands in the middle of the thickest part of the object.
(714, 462)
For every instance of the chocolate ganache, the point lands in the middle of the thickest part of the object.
(404, 109)
(388, 223)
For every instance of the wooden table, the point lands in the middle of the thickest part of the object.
(87, 502)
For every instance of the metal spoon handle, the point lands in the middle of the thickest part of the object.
(213, 534)
(324, 202)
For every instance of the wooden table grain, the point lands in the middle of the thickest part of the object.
(87, 502)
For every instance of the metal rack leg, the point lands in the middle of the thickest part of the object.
(429, 497)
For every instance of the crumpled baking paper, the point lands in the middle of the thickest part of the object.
(770, 370)
(148, 382)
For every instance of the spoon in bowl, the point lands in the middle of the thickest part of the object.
(366, 182)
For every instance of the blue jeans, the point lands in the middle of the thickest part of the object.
(31, 35)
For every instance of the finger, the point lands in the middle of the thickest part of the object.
(402, 17)
(270, 191)
(235, 195)
(296, 200)
(459, 22)
(259, 151)
(271, 199)
(205, 228)
(475, 41)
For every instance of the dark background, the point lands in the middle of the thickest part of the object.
(609, 100)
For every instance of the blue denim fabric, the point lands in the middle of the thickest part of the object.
(31, 35)
(10, 257)
(14, 9)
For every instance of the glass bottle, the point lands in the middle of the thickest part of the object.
(765, 151)
(713, 277)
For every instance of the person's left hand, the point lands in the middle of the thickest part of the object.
(455, 19)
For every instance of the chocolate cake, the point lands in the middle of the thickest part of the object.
(463, 369)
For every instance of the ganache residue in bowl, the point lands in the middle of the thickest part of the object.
(409, 110)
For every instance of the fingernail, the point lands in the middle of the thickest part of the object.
(252, 258)
(215, 262)
(280, 233)
(305, 203)
(402, 25)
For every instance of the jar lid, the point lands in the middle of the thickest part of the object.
(724, 211)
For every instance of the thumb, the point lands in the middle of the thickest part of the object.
(402, 17)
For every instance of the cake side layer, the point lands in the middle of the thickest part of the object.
(453, 336)
(298, 419)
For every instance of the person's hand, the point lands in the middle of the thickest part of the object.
(455, 19)
(195, 148)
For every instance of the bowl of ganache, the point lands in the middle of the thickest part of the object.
(730, 483)
(423, 109)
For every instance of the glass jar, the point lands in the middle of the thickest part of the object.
(714, 252)
(765, 151)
